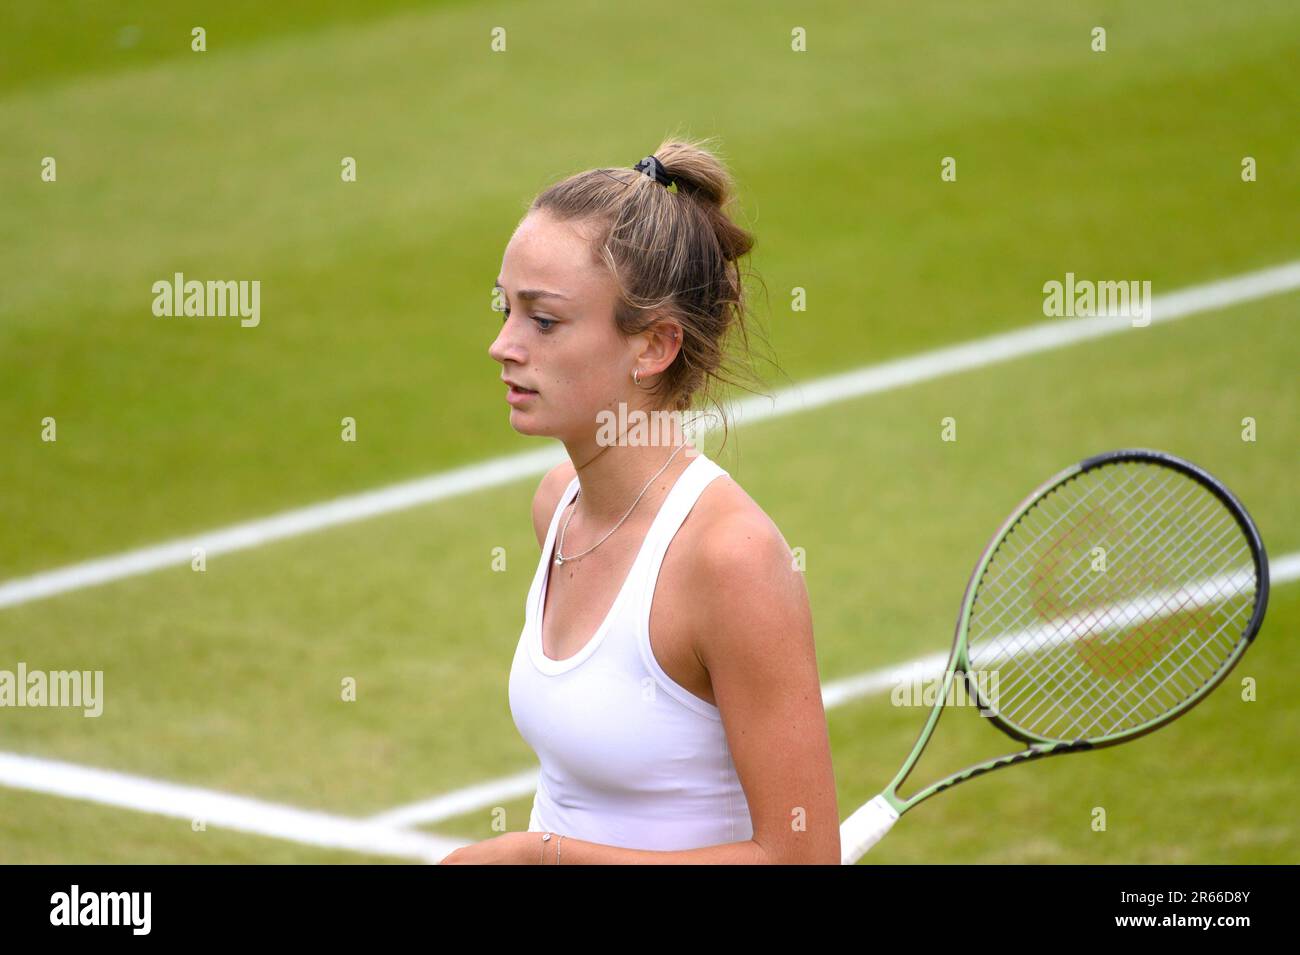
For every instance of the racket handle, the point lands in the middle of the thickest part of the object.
(865, 828)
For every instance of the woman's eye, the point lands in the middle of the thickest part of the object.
(544, 325)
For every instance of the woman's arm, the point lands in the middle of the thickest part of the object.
(755, 638)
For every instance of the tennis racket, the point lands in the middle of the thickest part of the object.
(1113, 599)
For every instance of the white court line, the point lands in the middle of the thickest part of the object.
(1043, 336)
(494, 792)
(219, 809)
(461, 802)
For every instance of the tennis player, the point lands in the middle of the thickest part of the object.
(666, 674)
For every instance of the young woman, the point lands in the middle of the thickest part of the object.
(666, 673)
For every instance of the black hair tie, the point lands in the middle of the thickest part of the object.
(657, 168)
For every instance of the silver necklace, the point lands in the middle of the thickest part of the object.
(559, 547)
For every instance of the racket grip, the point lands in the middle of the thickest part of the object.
(865, 828)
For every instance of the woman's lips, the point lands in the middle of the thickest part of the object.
(517, 396)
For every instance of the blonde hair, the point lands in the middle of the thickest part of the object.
(675, 251)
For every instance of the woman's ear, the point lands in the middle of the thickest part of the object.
(664, 341)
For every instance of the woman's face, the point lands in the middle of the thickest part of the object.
(563, 343)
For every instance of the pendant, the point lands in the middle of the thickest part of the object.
(559, 560)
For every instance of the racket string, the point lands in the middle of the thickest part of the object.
(1117, 646)
(1001, 623)
(1007, 586)
(1148, 638)
(1160, 611)
(999, 602)
(1145, 622)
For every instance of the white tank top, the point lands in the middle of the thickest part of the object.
(628, 757)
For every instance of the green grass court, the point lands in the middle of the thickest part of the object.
(376, 305)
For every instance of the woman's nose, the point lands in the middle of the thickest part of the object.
(502, 348)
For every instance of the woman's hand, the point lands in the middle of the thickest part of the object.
(509, 848)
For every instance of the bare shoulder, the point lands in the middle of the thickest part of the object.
(547, 497)
(739, 555)
(734, 532)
